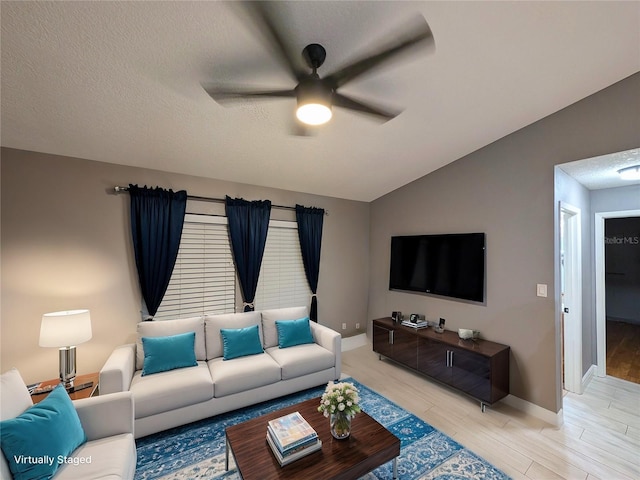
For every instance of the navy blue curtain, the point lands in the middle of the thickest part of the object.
(248, 225)
(157, 216)
(310, 221)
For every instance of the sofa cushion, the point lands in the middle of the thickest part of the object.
(163, 328)
(240, 342)
(302, 359)
(269, 318)
(111, 458)
(242, 374)
(293, 332)
(214, 323)
(49, 430)
(170, 390)
(14, 398)
(168, 353)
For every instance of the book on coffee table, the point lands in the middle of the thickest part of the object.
(290, 432)
(295, 453)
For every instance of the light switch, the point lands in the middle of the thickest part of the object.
(542, 290)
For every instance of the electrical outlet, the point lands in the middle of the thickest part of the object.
(357, 326)
(344, 326)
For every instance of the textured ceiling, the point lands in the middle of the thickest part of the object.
(602, 172)
(120, 82)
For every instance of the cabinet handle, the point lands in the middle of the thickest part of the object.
(391, 336)
(451, 360)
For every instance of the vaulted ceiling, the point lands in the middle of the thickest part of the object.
(121, 82)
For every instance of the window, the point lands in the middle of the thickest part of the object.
(282, 281)
(203, 279)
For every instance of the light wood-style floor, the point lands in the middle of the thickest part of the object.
(623, 350)
(599, 440)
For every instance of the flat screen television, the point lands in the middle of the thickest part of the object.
(449, 265)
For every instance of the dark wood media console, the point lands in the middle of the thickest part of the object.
(479, 368)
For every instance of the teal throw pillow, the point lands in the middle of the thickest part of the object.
(39, 440)
(294, 332)
(162, 354)
(240, 342)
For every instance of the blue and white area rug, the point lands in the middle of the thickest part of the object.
(197, 451)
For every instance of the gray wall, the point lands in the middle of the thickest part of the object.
(507, 190)
(65, 243)
(615, 199)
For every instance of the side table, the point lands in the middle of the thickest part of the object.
(91, 391)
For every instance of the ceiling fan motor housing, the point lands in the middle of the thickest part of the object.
(314, 54)
(313, 90)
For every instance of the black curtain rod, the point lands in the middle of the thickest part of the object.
(198, 198)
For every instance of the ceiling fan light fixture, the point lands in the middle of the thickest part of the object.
(314, 101)
(630, 173)
(314, 113)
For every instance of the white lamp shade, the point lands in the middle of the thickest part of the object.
(65, 329)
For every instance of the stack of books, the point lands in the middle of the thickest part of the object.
(291, 438)
(418, 324)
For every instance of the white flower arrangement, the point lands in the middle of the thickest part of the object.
(340, 398)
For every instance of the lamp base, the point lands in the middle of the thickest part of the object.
(67, 366)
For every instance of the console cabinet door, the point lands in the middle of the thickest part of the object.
(432, 359)
(471, 373)
(405, 348)
(382, 340)
(396, 344)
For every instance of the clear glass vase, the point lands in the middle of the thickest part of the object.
(340, 425)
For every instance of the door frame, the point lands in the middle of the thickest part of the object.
(572, 326)
(601, 306)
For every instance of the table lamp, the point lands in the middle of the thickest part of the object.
(66, 330)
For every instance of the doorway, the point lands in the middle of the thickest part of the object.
(600, 277)
(571, 296)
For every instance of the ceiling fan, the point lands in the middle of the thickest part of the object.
(317, 95)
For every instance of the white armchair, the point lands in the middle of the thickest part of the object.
(107, 421)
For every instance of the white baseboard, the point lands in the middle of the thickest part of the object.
(586, 380)
(534, 410)
(350, 343)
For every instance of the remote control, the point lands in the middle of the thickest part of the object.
(41, 390)
(81, 386)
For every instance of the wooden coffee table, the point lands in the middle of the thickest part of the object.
(369, 446)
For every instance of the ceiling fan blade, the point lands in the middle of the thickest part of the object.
(418, 33)
(340, 100)
(265, 17)
(222, 94)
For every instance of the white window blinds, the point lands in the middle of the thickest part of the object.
(282, 281)
(203, 279)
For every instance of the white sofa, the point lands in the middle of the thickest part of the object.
(107, 421)
(215, 385)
